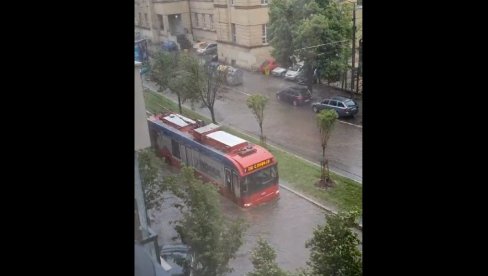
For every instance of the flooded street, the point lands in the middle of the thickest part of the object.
(286, 224)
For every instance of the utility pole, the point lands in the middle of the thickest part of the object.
(360, 63)
(353, 45)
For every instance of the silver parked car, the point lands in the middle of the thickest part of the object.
(207, 49)
(344, 107)
(294, 71)
(278, 72)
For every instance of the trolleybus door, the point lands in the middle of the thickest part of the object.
(188, 156)
(228, 179)
(235, 183)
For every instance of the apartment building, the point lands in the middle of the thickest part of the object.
(238, 26)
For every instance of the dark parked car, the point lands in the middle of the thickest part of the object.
(176, 259)
(209, 49)
(169, 46)
(296, 95)
(344, 107)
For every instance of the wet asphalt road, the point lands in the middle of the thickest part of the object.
(292, 128)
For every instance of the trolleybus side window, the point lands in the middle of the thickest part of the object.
(175, 148)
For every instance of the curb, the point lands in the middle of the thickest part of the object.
(358, 226)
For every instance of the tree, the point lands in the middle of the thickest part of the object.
(183, 82)
(281, 24)
(297, 25)
(325, 121)
(212, 238)
(151, 178)
(161, 69)
(257, 103)
(334, 247)
(205, 81)
(263, 259)
(168, 72)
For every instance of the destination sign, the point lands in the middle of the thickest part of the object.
(258, 165)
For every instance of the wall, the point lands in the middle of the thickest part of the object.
(141, 130)
(171, 8)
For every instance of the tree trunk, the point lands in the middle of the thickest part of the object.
(328, 173)
(210, 108)
(322, 173)
(179, 103)
(261, 130)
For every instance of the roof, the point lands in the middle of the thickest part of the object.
(226, 138)
(261, 154)
(206, 128)
(340, 98)
(296, 87)
(179, 120)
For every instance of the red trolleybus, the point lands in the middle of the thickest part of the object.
(246, 173)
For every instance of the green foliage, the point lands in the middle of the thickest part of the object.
(334, 247)
(281, 24)
(257, 103)
(204, 81)
(263, 259)
(151, 178)
(213, 239)
(162, 69)
(169, 71)
(326, 120)
(296, 24)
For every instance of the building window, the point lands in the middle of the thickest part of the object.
(140, 19)
(233, 31)
(265, 33)
(161, 22)
(264, 2)
(211, 22)
(203, 21)
(196, 19)
(147, 21)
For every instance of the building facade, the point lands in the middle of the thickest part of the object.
(238, 26)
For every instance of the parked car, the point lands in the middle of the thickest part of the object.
(176, 259)
(145, 264)
(169, 46)
(200, 44)
(296, 95)
(344, 107)
(278, 72)
(210, 48)
(294, 71)
(269, 63)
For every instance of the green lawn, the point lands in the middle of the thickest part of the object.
(299, 175)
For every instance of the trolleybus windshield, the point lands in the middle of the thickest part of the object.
(260, 179)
